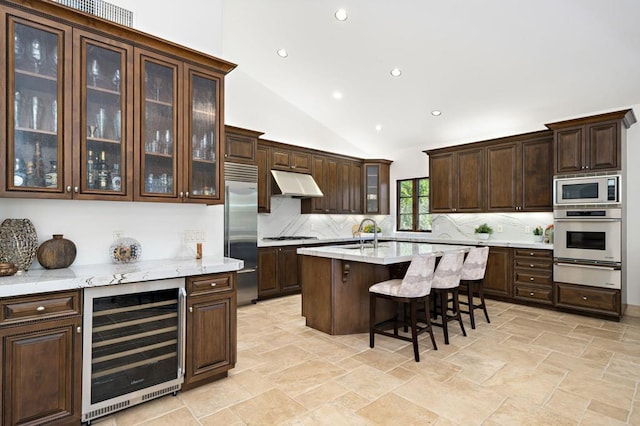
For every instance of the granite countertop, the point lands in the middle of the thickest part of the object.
(387, 253)
(414, 239)
(82, 276)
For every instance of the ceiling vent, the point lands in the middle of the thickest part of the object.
(102, 9)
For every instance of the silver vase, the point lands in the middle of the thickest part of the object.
(18, 243)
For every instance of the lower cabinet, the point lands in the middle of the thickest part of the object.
(42, 359)
(533, 275)
(278, 271)
(497, 278)
(211, 328)
(594, 300)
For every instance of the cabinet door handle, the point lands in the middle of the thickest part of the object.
(76, 189)
(181, 194)
(69, 188)
(213, 284)
(40, 309)
(79, 330)
(186, 194)
(190, 308)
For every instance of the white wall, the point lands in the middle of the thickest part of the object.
(632, 203)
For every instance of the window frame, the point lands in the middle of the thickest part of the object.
(415, 197)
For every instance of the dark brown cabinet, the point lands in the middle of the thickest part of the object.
(457, 180)
(277, 271)
(42, 359)
(533, 275)
(290, 160)
(519, 173)
(592, 300)
(98, 111)
(264, 179)
(325, 172)
(211, 328)
(497, 278)
(240, 145)
(350, 187)
(376, 186)
(591, 144)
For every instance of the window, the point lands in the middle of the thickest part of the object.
(413, 205)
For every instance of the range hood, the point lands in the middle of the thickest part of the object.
(297, 185)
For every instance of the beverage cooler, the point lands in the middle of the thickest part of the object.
(133, 344)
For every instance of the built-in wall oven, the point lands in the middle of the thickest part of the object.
(588, 246)
(133, 344)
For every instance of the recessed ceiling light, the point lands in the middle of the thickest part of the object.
(341, 15)
(436, 113)
(282, 53)
(337, 95)
(396, 72)
(379, 127)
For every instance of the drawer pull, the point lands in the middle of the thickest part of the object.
(532, 265)
(190, 308)
(584, 297)
(531, 279)
(532, 294)
(213, 284)
(40, 309)
(532, 254)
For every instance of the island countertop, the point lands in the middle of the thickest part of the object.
(387, 253)
(82, 276)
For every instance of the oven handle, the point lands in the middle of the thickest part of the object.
(580, 265)
(182, 302)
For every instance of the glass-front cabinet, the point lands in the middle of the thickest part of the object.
(203, 134)
(103, 67)
(157, 129)
(376, 186)
(38, 151)
(97, 111)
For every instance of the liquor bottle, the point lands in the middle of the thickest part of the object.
(91, 171)
(104, 180)
(116, 179)
(38, 166)
(51, 178)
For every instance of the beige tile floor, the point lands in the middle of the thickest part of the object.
(529, 366)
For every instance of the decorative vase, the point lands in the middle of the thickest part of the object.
(18, 243)
(125, 250)
(483, 236)
(537, 238)
(56, 253)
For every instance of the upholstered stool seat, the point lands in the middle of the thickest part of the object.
(473, 271)
(446, 279)
(413, 289)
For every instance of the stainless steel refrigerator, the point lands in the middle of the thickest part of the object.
(241, 226)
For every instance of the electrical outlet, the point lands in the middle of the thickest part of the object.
(499, 228)
(437, 226)
(527, 229)
(118, 234)
(195, 236)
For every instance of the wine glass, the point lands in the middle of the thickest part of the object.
(116, 80)
(18, 48)
(94, 71)
(158, 85)
(37, 54)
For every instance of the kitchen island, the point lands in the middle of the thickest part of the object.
(336, 280)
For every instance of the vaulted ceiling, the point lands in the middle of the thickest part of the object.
(492, 67)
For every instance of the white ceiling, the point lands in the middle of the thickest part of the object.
(493, 67)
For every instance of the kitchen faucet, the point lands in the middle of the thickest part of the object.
(375, 232)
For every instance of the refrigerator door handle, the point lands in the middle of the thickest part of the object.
(227, 241)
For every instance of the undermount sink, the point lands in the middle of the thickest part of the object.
(365, 245)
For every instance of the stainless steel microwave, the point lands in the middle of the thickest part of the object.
(604, 189)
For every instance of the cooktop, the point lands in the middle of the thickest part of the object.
(290, 237)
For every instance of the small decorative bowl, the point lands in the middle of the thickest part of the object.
(7, 268)
(125, 250)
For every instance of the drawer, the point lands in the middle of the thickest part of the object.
(588, 298)
(41, 306)
(533, 253)
(534, 264)
(533, 293)
(207, 284)
(529, 276)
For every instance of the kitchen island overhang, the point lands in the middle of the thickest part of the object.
(336, 280)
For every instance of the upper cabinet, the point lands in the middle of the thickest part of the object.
(376, 186)
(591, 144)
(519, 173)
(240, 145)
(102, 112)
(291, 160)
(456, 179)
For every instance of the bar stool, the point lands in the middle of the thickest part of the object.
(446, 279)
(414, 288)
(473, 270)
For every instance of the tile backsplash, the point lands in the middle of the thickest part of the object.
(285, 219)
